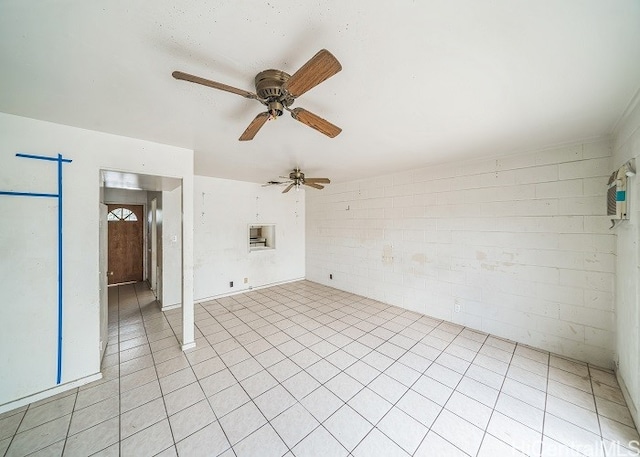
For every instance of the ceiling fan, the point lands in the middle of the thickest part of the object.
(297, 178)
(278, 90)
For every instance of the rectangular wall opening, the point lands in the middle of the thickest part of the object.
(262, 237)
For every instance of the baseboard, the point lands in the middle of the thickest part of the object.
(247, 289)
(186, 347)
(632, 407)
(174, 306)
(49, 392)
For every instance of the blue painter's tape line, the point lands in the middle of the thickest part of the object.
(621, 195)
(27, 194)
(59, 375)
(52, 159)
(60, 160)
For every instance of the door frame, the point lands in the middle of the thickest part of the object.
(144, 246)
(153, 268)
(139, 180)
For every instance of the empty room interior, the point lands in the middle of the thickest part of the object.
(319, 228)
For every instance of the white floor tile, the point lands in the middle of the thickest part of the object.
(458, 432)
(150, 441)
(344, 386)
(348, 427)
(435, 446)
(241, 422)
(370, 405)
(204, 443)
(493, 447)
(322, 403)
(167, 402)
(403, 429)
(615, 411)
(572, 436)
(320, 443)
(259, 383)
(191, 419)
(39, 437)
(142, 417)
(388, 388)
(274, 401)
(433, 390)
(520, 411)
(301, 385)
(264, 442)
(376, 444)
(472, 410)
(515, 434)
(573, 413)
(228, 399)
(294, 424)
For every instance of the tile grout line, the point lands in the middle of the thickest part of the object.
(388, 340)
(595, 404)
(302, 369)
(288, 310)
(453, 390)
(155, 369)
(493, 408)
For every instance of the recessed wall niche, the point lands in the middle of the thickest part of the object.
(262, 237)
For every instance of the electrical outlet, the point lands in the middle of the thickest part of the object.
(246, 280)
(456, 307)
(330, 275)
(230, 283)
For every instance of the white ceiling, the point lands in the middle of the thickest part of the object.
(422, 81)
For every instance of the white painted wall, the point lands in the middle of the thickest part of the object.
(158, 197)
(626, 147)
(132, 197)
(520, 243)
(171, 236)
(223, 210)
(28, 246)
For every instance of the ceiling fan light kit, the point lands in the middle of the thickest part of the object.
(278, 90)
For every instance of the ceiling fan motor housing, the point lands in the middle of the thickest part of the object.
(269, 88)
(297, 176)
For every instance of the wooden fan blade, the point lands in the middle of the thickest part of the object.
(316, 180)
(214, 84)
(312, 184)
(320, 67)
(256, 124)
(289, 187)
(316, 122)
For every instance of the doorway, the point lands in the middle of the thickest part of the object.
(125, 243)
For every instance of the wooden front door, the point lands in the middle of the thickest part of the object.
(125, 227)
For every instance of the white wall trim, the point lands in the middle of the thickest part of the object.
(49, 392)
(249, 289)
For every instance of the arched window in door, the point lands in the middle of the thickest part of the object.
(122, 214)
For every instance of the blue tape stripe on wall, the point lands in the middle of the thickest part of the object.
(60, 161)
(59, 373)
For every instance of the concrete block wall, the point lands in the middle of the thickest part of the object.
(627, 147)
(518, 246)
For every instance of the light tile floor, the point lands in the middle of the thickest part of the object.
(306, 370)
